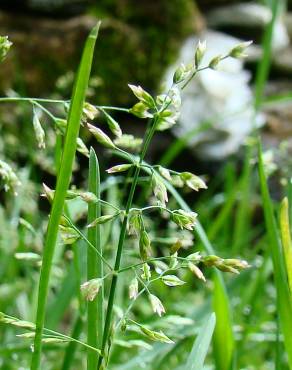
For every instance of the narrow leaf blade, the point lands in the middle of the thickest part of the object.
(283, 294)
(201, 345)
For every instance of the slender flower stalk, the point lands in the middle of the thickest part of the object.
(94, 266)
(163, 111)
(114, 281)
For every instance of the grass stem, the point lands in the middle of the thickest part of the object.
(95, 310)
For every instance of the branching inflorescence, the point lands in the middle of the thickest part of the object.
(162, 112)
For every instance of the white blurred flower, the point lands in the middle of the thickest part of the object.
(222, 97)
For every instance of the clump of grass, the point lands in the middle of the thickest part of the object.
(162, 112)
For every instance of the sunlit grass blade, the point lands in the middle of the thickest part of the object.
(63, 181)
(289, 196)
(286, 239)
(94, 265)
(201, 345)
(284, 302)
(223, 341)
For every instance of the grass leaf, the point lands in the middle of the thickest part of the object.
(283, 294)
(63, 181)
(286, 239)
(223, 340)
(201, 345)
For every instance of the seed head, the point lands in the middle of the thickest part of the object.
(101, 137)
(159, 189)
(133, 289)
(200, 52)
(239, 50)
(144, 245)
(184, 219)
(196, 271)
(91, 288)
(156, 304)
(119, 168)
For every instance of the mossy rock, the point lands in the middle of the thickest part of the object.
(136, 44)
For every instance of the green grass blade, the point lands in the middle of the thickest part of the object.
(201, 345)
(289, 196)
(223, 340)
(94, 266)
(286, 239)
(63, 181)
(278, 98)
(264, 65)
(62, 298)
(283, 294)
(69, 357)
(242, 216)
(223, 216)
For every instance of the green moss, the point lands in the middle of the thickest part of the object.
(136, 44)
(149, 41)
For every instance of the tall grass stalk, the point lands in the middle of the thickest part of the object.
(63, 181)
(95, 308)
(224, 354)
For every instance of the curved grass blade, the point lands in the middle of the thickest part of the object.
(284, 301)
(223, 340)
(286, 239)
(201, 345)
(63, 181)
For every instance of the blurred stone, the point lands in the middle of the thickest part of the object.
(206, 5)
(279, 121)
(282, 62)
(288, 23)
(249, 20)
(222, 99)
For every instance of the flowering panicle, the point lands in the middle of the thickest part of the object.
(163, 112)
